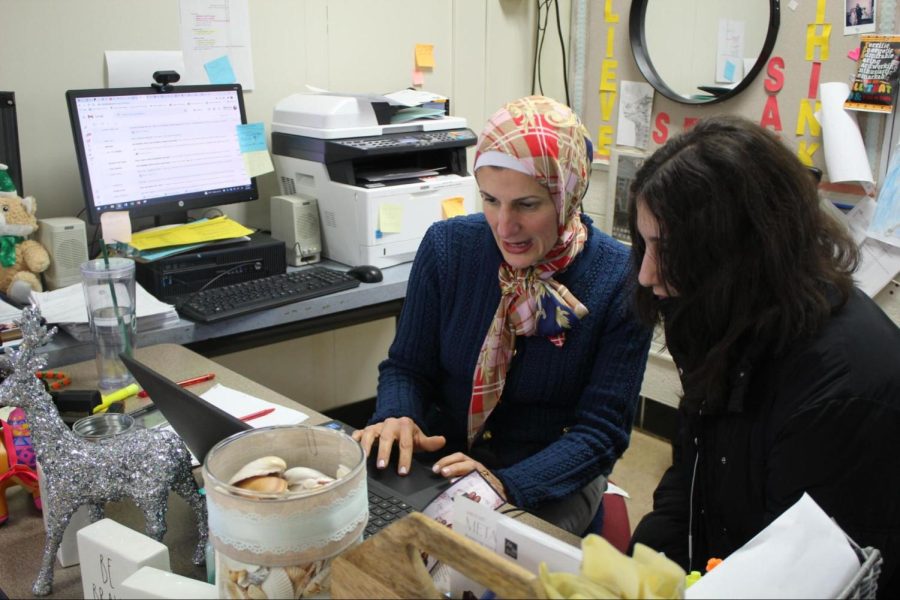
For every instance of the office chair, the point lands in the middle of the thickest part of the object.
(611, 522)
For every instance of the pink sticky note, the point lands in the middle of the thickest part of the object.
(116, 226)
(418, 77)
(854, 54)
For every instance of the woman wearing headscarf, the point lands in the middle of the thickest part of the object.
(516, 353)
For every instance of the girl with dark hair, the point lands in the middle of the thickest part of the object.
(790, 375)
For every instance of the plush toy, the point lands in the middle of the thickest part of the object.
(21, 259)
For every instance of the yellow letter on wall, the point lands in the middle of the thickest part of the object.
(805, 152)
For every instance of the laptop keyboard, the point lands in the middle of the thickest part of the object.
(384, 510)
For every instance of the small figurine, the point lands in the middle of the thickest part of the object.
(142, 465)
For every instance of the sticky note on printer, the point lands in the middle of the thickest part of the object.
(390, 218)
(453, 207)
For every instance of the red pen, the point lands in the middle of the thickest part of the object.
(258, 414)
(186, 382)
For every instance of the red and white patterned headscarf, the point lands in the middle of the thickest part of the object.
(542, 138)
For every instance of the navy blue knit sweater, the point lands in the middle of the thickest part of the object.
(565, 414)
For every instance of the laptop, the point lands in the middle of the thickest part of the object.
(202, 425)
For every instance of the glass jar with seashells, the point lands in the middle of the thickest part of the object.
(283, 502)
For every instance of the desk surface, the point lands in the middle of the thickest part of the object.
(22, 537)
(369, 301)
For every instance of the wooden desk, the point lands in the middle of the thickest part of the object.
(22, 537)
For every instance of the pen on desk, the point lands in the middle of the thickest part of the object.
(258, 414)
(186, 382)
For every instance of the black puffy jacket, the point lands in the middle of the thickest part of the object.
(822, 418)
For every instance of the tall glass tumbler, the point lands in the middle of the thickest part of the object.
(110, 300)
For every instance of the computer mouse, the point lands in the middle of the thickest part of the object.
(366, 273)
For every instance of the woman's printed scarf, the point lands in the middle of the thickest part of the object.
(548, 142)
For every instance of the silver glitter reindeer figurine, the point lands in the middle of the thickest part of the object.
(142, 465)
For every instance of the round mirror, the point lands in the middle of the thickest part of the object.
(700, 52)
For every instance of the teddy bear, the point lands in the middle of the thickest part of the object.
(21, 259)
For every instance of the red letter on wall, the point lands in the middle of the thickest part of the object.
(661, 132)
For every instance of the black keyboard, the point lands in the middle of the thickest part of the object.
(384, 510)
(217, 304)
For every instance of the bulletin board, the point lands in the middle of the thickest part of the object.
(811, 48)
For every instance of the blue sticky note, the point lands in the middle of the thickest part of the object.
(729, 70)
(252, 137)
(220, 71)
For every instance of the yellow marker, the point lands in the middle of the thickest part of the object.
(125, 392)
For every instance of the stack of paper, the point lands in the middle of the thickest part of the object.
(417, 105)
(66, 307)
(240, 405)
(159, 242)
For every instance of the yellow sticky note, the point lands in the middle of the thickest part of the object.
(425, 56)
(418, 77)
(257, 162)
(116, 227)
(453, 207)
(390, 218)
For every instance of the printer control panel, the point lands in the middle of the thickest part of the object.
(420, 140)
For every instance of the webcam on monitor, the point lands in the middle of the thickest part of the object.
(165, 79)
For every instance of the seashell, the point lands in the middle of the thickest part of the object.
(254, 578)
(267, 465)
(342, 471)
(264, 484)
(236, 576)
(254, 592)
(299, 577)
(297, 474)
(278, 585)
(233, 591)
(310, 484)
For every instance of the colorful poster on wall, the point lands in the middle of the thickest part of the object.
(874, 87)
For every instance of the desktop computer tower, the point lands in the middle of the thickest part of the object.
(212, 266)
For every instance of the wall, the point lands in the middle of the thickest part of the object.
(610, 20)
(483, 54)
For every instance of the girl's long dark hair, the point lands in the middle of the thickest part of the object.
(744, 244)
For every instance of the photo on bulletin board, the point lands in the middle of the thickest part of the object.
(623, 166)
(859, 16)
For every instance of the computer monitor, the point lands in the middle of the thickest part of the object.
(159, 153)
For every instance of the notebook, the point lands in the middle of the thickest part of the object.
(202, 425)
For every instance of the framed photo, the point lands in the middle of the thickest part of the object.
(623, 166)
(859, 16)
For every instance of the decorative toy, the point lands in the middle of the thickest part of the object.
(16, 460)
(143, 464)
(21, 260)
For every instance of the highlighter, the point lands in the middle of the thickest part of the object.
(125, 392)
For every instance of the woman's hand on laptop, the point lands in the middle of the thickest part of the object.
(409, 437)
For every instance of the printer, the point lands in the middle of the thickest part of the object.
(379, 185)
